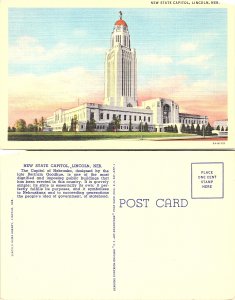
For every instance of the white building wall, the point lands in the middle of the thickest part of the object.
(222, 124)
(120, 70)
(103, 115)
(157, 105)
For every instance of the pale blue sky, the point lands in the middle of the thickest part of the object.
(169, 42)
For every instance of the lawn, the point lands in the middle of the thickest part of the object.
(84, 136)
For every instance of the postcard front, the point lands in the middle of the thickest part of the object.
(154, 75)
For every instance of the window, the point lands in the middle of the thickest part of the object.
(114, 116)
(92, 116)
(130, 118)
(107, 116)
(139, 118)
(134, 118)
(101, 116)
(144, 118)
(125, 117)
(148, 119)
(120, 117)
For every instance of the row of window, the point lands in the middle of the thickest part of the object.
(125, 117)
(119, 40)
(126, 77)
(100, 127)
(191, 121)
(79, 116)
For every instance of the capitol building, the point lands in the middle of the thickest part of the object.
(120, 100)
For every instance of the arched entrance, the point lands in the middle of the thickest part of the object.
(166, 113)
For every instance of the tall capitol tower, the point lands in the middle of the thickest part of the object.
(120, 68)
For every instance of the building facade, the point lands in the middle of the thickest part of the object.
(120, 68)
(221, 125)
(120, 100)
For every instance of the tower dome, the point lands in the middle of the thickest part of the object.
(120, 21)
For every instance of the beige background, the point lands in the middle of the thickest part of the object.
(63, 248)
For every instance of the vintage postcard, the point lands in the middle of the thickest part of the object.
(147, 74)
(83, 226)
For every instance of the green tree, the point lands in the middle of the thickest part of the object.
(198, 130)
(192, 128)
(41, 123)
(226, 128)
(30, 127)
(203, 130)
(35, 124)
(140, 126)
(75, 122)
(222, 128)
(9, 129)
(130, 125)
(146, 128)
(208, 129)
(92, 125)
(71, 125)
(88, 125)
(64, 128)
(217, 128)
(183, 128)
(110, 127)
(176, 129)
(20, 125)
(116, 123)
(188, 129)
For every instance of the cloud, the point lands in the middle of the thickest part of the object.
(181, 88)
(206, 97)
(188, 46)
(33, 96)
(35, 93)
(152, 59)
(28, 50)
(199, 60)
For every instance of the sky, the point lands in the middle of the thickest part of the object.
(56, 56)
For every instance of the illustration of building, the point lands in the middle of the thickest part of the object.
(221, 127)
(120, 100)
